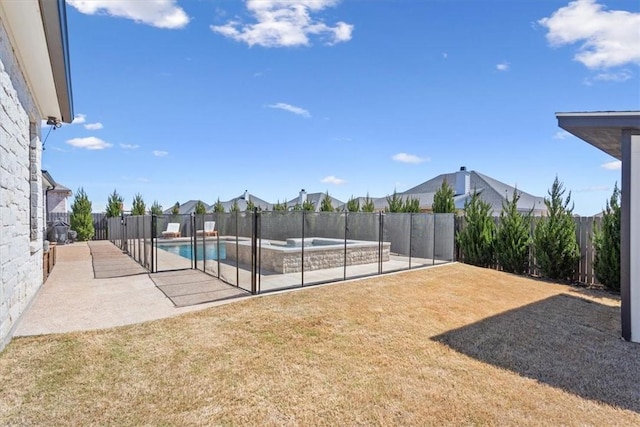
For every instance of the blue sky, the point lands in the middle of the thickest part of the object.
(202, 99)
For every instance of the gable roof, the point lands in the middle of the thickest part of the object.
(316, 198)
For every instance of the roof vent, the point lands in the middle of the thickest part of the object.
(463, 168)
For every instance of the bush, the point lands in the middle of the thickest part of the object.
(556, 247)
(394, 203)
(218, 207)
(513, 237)
(326, 204)
(411, 205)
(353, 205)
(368, 205)
(200, 209)
(156, 208)
(606, 240)
(477, 238)
(81, 219)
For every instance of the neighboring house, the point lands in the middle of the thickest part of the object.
(465, 182)
(187, 208)
(35, 85)
(55, 196)
(242, 202)
(315, 198)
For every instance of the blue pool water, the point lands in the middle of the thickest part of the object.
(184, 250)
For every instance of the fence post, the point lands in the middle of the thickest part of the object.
(254, 251)
(154, 225)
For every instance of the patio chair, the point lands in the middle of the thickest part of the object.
(209, 229)
(173, 230)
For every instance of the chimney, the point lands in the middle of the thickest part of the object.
(303, 197)
(463, 181)
(246, 196)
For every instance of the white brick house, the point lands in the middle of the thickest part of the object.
(34, 85)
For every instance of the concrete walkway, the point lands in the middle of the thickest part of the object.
(73, 300)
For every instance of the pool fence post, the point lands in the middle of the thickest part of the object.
(380, 240)
(154, 224)
(410, 235)
(302, 252)
(194, 249)
(254, 250)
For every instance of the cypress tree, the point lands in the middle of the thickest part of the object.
(477, 238)
(353, 205)
(326, 205)
(156, 208)
(81, 219)
(368, 205)
(606, 240)
(175, 210)
(218, 207)
(411, 205)
(556, 247)
(394, 203)
(200, 209)
(443, 199)
(138, 206)
(114, 204)
(513, 237)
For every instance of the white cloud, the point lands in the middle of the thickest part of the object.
(561, 134)
(160, 153)
(332, 180)
(503, 66)
(157, 13)
(608, 38)
(291, 108)
(614, 165)
(79, 119)
(285, 23)
(93, 126)
(445, 55)
(409, 158)
(616, 77)
(129, 146)
(90, 143)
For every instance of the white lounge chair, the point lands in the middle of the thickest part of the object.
(173, 230)
(209, 229)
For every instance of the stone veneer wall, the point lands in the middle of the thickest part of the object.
(289, 260)
(21, 199)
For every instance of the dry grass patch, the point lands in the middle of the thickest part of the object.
(450, 345)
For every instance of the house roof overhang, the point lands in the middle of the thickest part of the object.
(602, 129)
(38, 33)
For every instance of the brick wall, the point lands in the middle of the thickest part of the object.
(21, 201)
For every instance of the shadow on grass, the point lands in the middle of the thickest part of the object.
(563, 341)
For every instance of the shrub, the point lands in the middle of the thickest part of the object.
(280, 206)
(81, 219)
(250, 206)
(411, 205)
(513, 237)
(234, 207)
(443, 199)
(175, 209)
(138, 207)
(606, 240)
(477, 238)
(555, 243)
(114, 204)
(308, 205)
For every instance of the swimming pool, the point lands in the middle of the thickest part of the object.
(185, 250)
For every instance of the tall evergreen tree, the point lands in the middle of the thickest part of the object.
(234, 207)
(114, 204)
(200, 209)
(156, 208)
(606, 240)
(556, 246)
(368, 205)
(250, 206)
(394, 203)
(513, 237)
(218, 207)
(81, 220)
(443, 199)
(138, 206)
(326, 204)
(353, 205)
(477, 238)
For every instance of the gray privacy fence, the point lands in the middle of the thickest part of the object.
(265, 251)
(585, 227)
